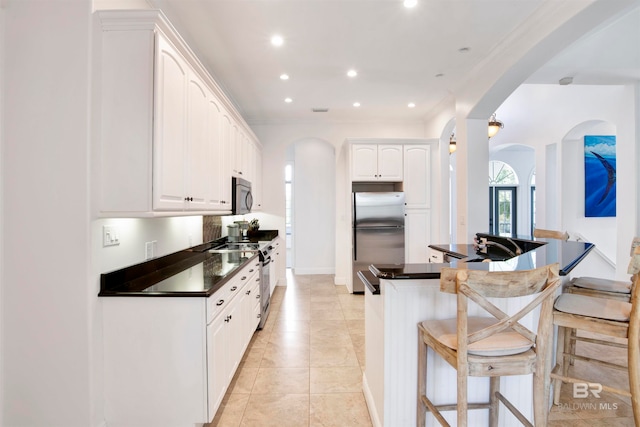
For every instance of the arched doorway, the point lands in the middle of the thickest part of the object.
(310, 185)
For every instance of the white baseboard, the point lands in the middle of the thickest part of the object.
(319, 270)
(371, 405)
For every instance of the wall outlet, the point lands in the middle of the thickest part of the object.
(150, 249)
(110, 235)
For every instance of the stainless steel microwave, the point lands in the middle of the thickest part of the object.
(241, 197)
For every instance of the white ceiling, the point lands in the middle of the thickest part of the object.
(402, 55)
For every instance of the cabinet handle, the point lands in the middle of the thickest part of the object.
(243, 278)
(219, 303)
(227, 319)
(257, 279)
(188, 199)
(257, 296)
(248, 292)
(234, 288)
(259, 315)
(251, 271)
(239, 172)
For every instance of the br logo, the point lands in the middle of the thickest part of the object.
(582, 390)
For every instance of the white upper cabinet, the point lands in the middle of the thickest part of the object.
(417, 176)
(167, 140)
(376, 162)
(200, 174)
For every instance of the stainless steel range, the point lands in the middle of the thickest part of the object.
(264, 252)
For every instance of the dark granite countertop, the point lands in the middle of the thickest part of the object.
(542, 252)
(193, 272)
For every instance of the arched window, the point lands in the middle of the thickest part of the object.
(503, 186)
(501, 173)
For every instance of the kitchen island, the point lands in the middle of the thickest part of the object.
(398, 297)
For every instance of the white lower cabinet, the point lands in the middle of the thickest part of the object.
(168, 361)
(417, 228)
(277, 258)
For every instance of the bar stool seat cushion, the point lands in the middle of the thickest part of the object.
(601, 308)
(606, 285)
(505, 343)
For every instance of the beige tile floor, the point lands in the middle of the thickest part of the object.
(305, 367)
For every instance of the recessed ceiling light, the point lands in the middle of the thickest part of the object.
(356, 104)
(411, 105)
(410, 3)
(288, 100)
(439, 75)
(277, 40)
(284, 76)
(352, 73)
(464, 49)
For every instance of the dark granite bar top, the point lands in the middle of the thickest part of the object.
(193, 272)
(370, 281)
(540, 252)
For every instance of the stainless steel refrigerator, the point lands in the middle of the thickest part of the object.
(378, 231)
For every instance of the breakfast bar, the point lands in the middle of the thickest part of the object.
(398, 297)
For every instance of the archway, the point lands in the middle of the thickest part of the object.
(312, 206)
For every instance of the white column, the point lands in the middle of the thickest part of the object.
(472, 175)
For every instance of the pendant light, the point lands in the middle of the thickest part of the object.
(452, 143)
(494, 125)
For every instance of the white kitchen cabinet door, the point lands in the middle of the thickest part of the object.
(417, 176)
(364, 162)
(256, 184)
(200, 175)
(417, 226)
(170, 147)
(390, 163)
(215, 162)
(218, 364)
(225, 157)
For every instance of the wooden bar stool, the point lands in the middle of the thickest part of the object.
(604, 288)
(492, 346)
(606, 317)
(550, 234)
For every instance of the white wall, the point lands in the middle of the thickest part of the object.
(47, 355)
(277, 137)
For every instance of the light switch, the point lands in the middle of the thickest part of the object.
(110, 236)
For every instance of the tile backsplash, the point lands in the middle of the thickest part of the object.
(211, 228)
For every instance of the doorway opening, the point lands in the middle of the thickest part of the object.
(503, 203)
(288, 225)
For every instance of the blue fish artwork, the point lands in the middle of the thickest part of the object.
(600, 175)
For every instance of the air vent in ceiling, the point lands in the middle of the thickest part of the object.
(320, 110)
